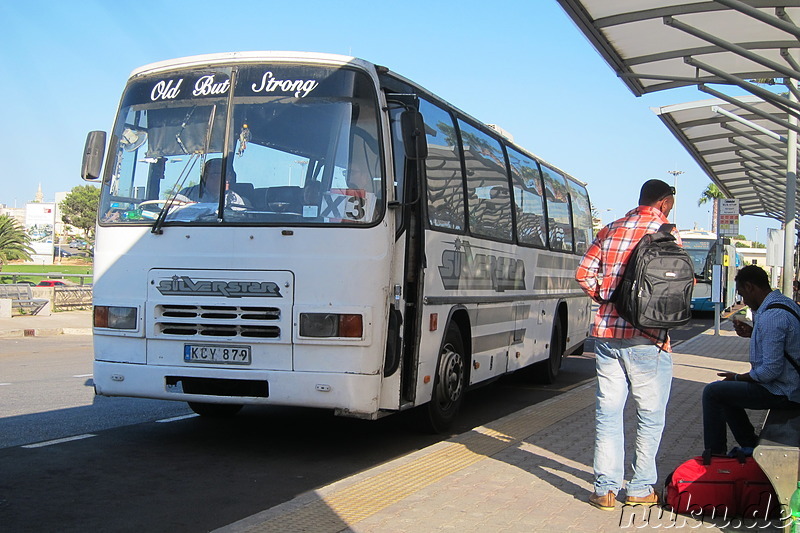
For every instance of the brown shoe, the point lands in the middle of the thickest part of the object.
(650, 499)
(606, 503)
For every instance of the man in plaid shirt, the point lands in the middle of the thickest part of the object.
(627, 359)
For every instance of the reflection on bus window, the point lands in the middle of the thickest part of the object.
(528, 199)
(581, 216)
(487, 184)
(443, 169)
(558, 223)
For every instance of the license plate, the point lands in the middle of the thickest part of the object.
(217, 353)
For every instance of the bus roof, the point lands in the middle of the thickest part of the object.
(239, 57)
(331, 59)
(697, 234)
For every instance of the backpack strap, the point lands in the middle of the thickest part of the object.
(664, 233)
(666, 228)
(785, 307)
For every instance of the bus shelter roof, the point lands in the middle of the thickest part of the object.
(742, 152)
(662, 44)
(655, 45)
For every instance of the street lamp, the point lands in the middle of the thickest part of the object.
(675, 174)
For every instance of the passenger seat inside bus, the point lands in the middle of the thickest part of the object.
(285, 199)
(245, 190)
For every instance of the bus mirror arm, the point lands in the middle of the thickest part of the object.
(416, 148)
(93, 154)
(413, 127)
(394, 204)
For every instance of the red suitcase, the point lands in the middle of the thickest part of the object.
(721, 487)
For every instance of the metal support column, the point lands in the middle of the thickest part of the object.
(791, 194)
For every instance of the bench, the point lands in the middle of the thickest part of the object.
(22, 298)
(778, 452)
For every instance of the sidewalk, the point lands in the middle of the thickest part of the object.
(527, 472)
(57, 323)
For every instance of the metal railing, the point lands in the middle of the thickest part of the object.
(71, 297)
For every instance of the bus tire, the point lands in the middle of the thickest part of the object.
(450, 382)
(215, 410)
(547, 371)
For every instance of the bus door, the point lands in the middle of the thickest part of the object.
(409, 151)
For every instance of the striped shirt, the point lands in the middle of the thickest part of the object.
(776, 331)
(600, 270)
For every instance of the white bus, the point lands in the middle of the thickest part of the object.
(369, 247)
(702, 248)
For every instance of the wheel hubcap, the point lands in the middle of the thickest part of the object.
(451, 372)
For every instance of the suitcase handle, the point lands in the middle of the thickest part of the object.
(707, 455)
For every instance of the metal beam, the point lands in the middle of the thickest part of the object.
(757, 169)
(760, 15)
(660, 77)
(735, 48)
(754, 160)
(777, 100)
(759, 153)
(749, 123)
(756, 111)
(754, 139)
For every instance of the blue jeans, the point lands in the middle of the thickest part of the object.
(637, 366)
(724, 402)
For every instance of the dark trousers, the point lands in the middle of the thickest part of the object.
(724, 402)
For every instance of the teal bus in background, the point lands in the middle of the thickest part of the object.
(701, 247)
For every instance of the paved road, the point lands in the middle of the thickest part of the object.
(147, 465)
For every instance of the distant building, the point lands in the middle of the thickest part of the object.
(754, 256)
(17, 213)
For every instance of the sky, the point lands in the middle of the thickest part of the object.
(520, 64)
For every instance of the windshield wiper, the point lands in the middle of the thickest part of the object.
(173, 197)
(162, 215)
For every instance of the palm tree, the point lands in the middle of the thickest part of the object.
(13, 241)
(711, 193)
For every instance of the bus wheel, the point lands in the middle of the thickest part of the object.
(215, 410)
(547, 371)
(450, 382)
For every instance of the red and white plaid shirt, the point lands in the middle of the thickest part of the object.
(600, 270)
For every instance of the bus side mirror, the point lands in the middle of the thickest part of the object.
(93, 155)
(413, 127)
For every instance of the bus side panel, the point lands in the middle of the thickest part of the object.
(579, 313)
(531, 330)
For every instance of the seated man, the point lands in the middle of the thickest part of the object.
(207, 190)
(772, 382)
(358, 177)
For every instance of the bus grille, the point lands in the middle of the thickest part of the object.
(218, 321)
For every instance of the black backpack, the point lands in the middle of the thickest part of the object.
(656, 287)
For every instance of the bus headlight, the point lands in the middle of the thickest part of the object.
(106, 316)
(331, 325)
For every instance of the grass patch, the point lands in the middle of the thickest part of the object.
(44, 272)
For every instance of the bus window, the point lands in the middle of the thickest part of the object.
(581, 216)
(487, 184)
(443, 170)
(528, 199)
(558, 219)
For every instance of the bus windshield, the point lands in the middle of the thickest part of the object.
(256, 144)
(700, 252)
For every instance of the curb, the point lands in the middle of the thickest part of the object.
(43, 332)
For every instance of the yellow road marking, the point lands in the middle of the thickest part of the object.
(369, 496)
